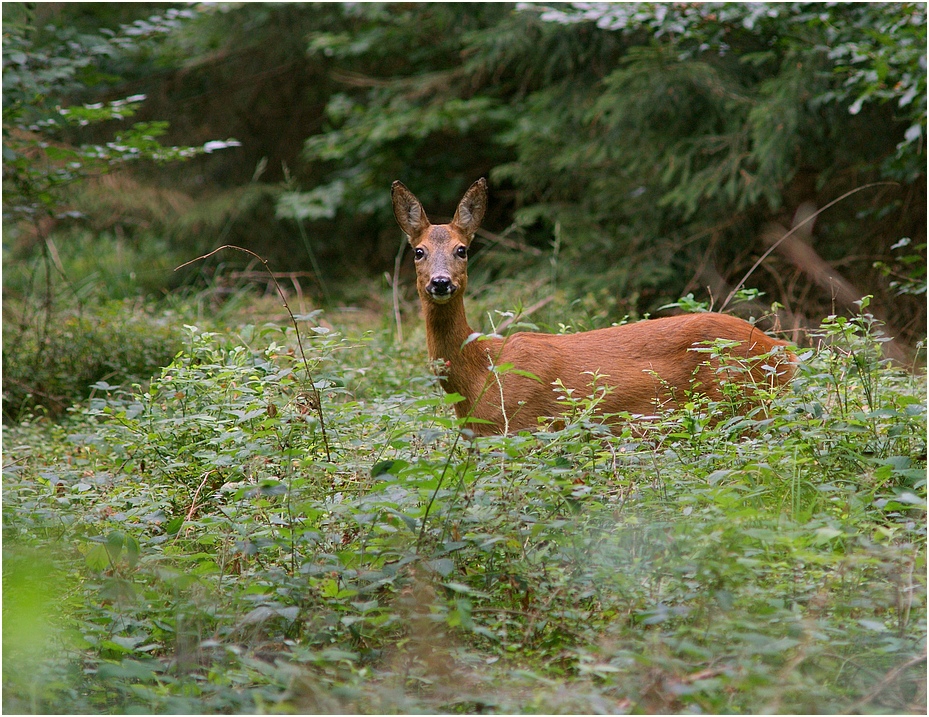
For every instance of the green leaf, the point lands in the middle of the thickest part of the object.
(98, 557)
(443, 566)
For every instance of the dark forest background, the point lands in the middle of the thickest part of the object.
(640, 152)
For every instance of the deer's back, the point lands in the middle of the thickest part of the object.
(647, 363)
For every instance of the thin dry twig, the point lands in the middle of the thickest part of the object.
(193, 504)
(318, 403)
(395, 289)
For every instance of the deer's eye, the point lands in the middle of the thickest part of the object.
(419, 253)
(461, 252)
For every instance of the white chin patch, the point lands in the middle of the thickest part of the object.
(441, 298)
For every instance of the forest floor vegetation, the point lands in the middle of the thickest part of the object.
(270, 525)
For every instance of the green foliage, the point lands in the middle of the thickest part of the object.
(662, 138)
(404, 108)
(108, 341)
(658, 147)
(908, 270)
(36, 77)
(854, 56)
(217, 561)
(55, 348)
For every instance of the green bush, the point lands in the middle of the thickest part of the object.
(52, 360)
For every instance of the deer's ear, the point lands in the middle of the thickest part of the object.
(409, 212)
(471, 208)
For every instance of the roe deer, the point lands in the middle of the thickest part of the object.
(643, 363)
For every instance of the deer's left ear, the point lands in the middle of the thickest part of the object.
(471, 209)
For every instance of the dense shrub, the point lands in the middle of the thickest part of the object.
(51, 361)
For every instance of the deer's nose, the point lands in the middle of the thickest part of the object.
(441, 287)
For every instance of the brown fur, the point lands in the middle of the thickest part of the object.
(644, 364)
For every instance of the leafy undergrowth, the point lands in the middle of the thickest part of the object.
(50, 360)
(232, 540)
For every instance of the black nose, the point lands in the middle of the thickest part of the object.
(440, 286)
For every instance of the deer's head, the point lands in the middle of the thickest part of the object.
(440, 251)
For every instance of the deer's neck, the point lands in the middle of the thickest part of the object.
(466, 367)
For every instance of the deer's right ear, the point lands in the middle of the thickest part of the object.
(409, 212)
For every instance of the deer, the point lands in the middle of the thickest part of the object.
(642, 366)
